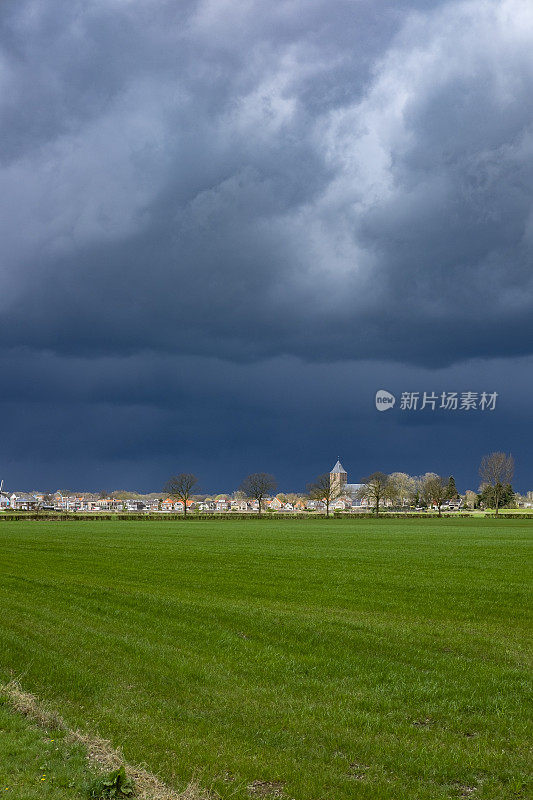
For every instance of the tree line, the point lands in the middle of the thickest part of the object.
(399, 489)
(257, 486)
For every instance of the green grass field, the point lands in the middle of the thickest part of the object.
(327, 659)
(38, 766)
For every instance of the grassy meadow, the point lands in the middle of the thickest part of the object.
(37, 765)
(312, 659)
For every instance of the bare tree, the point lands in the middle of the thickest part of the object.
(258, 485)
(497, 470)
(324, 489)
(180, 487)
(435, 490)
(471, 498)
(375, 488)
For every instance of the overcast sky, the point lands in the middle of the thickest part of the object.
(225, 224)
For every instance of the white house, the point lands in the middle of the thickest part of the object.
(23, 502)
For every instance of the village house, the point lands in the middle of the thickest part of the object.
(179, 506)
(239, 505)
(134, 506)
(341, 504)
(222, 503)
(89, 506)
(276, 504)
(20, 501)
(68, 502)
(109, 504)
(169, 505)
(207, 505)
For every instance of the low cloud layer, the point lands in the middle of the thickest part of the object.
(200, 194)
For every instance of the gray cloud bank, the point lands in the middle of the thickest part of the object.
(240, 183)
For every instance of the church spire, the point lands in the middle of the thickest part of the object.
(338, 475)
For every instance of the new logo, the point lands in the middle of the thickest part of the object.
(384, 400)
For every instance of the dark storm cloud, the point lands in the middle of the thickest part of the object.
(221, 180)
(115, 421)
(193, 193)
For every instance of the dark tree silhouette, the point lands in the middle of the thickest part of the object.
(451, 491)
(180, 487)
(324, 489)
(258, 486)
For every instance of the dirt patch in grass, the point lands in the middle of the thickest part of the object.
(423, 723)
(102, 756)
(467, 791)
(464, 790)
(266, 788)
(357, 772)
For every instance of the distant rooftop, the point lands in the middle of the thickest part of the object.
(338, 468)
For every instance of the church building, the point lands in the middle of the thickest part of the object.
(339, 477)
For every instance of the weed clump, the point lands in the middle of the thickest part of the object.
(115, 785)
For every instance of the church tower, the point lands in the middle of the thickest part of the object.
(338, 476)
